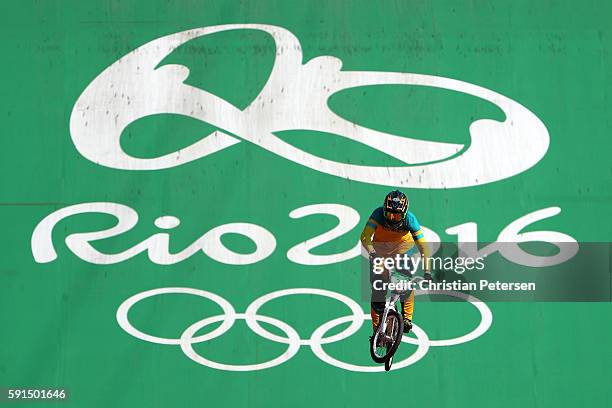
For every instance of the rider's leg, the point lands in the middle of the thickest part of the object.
(407, 309)
(376, 310)
(408, 306)
(378, 296)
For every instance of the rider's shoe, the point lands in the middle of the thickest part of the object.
(407, 325)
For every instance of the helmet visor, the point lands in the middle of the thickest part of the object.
(393, 216)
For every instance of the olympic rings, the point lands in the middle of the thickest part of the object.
(122, 314)
(486, 318)
(187, 340)
(356, 319)
(292, 339)
(422, 342)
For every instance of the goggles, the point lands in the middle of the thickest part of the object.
(394, 216)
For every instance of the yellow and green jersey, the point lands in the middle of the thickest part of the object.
(385, 239)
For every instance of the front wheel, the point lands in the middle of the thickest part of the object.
(388, 363)
(384, 345)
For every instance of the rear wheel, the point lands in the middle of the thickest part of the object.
(384, 345)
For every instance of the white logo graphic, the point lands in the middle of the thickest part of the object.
(295, 97)
(292, 339)
(157, 246)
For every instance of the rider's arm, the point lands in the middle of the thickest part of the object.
(423, 249)
(419, 239)
(367, 234)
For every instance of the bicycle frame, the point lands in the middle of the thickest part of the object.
(391, 302)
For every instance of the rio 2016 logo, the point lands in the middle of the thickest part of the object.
(296, 97)
(136, 86)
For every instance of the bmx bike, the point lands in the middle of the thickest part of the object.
(388, 334)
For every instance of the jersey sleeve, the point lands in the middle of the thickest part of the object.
(419, 238)
(413, 226)
(369, 230)
(371, 223)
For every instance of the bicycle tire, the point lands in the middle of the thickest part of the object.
(388, 363)
(397, 338)
(398, 335)
(375, 357)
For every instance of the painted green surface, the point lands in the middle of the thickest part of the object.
(58, 319)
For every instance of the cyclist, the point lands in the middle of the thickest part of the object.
(392, 230)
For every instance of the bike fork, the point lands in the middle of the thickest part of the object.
(390, 303)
